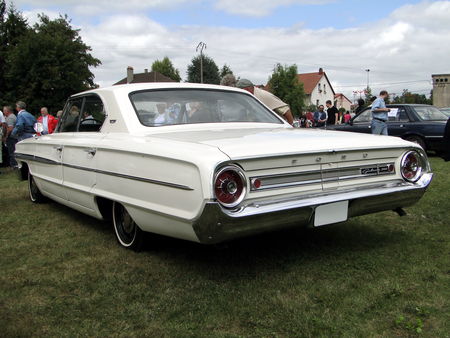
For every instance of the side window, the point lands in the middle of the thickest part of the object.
(93, 114)
(364, 117)
(71, 116)
(402, 116)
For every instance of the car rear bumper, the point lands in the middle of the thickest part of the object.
(217, 224)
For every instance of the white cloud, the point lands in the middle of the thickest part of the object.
(260, 7)
(409, 45)
(32, 16)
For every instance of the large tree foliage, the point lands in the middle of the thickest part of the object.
(47, 64)
(284, 83)
(166, 68)
(210, 70)
(408, 97)
(225, 70)
(13, 26)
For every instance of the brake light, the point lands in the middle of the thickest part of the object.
(229, 186)
(412, 166)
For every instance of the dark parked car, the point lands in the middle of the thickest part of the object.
(419, 123)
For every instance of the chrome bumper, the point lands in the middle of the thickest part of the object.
(217, 224)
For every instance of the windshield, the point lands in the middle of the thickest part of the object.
(430, 113)
(186, 106)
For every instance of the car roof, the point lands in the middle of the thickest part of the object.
(132, 87)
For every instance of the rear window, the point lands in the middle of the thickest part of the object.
(187, 106)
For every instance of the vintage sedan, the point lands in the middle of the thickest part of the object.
(209, 163)
(419, 123)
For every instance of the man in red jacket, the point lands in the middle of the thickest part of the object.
(48, 121)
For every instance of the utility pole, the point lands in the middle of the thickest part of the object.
(367, 70)
(200, 46)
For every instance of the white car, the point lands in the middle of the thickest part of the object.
(210, 163)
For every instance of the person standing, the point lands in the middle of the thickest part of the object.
(332, 112)
(24, 127)
(48, 121)
(320, 117)
(2, 135)
(380, 115)
(360, 107)
(8, 139)
(270, 100)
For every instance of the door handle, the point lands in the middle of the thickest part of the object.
(58, 148)
(91, 151)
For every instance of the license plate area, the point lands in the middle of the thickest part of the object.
(331, 213)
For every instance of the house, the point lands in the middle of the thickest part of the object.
(341, 101)
(441, 90)
(317, 87)
(143, 77)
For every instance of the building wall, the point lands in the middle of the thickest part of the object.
(441, 90)
(342, 102)
(321, 93)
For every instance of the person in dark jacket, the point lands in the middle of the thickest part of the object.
(360, 107)
(332, 113)
(446, 154)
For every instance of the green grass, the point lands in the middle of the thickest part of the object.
(63, 274)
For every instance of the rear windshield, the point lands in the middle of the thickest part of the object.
(429, 113)
(186, 106)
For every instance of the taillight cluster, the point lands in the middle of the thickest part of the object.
(412, 166)
(230, 186)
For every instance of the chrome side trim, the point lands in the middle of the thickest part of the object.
(26, 157)
(33, 158)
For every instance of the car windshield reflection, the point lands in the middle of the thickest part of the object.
(430, 114)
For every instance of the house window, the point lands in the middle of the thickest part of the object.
(317, 103)
(324, 88)
(320, 90)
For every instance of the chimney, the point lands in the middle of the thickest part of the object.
(320, 71)
(146, 70)
(130, 74)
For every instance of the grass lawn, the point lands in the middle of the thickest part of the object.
(63, 274)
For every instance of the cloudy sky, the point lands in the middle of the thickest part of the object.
(401, 42)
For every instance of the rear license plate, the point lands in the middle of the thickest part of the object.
(331, 213)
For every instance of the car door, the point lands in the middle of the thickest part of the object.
(79, 160)
(48, 167)
(399, 121)
(361, 122)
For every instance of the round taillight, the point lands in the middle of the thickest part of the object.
(229, 186)
(412, 166)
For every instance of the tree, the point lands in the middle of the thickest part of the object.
(408, 97)
(210, 70)
(368, 96)
(225, 70)
(13, 26)
(49, 63)
(165, 67)
(284, 84)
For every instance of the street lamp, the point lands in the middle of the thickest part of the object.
(367, 70)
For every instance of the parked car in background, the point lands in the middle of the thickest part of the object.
(211, 163)
(446, 111)
(419, 123)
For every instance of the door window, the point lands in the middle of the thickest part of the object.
(364, 117)
(71, 116)
(93, 114)
(83, 114)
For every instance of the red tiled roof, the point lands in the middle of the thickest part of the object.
(340, 94)
(146, 77)
(309, 80)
